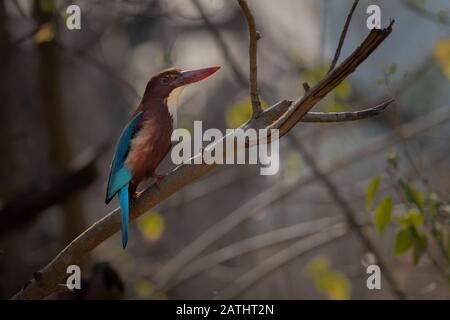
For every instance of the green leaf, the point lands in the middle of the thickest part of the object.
(371, 191)
(420, 247)
(416, 218)
(413, 218)
(383, 214)
(151, 226)
(403, 241)
(392, 159)
(411, 193)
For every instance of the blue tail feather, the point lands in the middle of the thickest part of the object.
(124, 205)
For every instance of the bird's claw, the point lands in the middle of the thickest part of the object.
(135, 196)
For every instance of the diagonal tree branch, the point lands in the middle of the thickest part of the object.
(283, 116)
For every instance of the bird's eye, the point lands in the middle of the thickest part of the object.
(165, 80)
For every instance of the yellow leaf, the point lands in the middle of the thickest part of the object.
(343, 90)
(318, 266)
(151, 226)
(46, 33)
(240, 112)
(335, 285)
(144, 288)
(160, 296)
(441, 54)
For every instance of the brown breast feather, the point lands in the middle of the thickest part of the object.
(150, 145)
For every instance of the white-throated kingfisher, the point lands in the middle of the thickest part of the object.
(145, 141)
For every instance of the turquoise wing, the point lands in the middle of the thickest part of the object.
(120, 174)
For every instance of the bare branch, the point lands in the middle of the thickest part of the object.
(343, 35)
(305, 86)
(283, 116)
(254, 36)
(346, 116)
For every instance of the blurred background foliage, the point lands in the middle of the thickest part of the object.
(65, 96)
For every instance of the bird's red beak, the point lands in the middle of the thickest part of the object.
(192, 76)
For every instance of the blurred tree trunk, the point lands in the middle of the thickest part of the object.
(4, 141)
(49, 78)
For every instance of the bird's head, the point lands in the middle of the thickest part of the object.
(162, 84)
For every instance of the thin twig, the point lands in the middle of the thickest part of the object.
(343, 35)
(252, 49)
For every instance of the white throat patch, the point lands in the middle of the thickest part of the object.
(172, 104)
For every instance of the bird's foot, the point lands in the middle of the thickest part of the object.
(135, 196)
